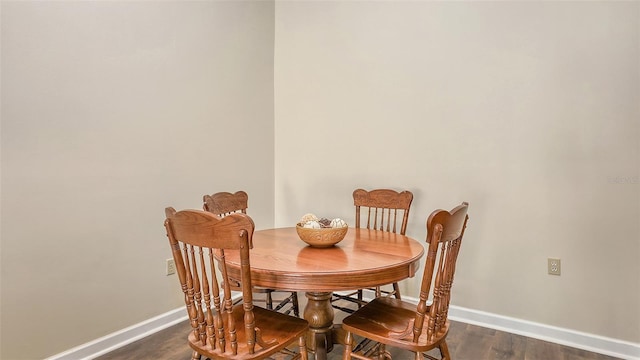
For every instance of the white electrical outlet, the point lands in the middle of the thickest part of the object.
(171, 267)
(553, 266)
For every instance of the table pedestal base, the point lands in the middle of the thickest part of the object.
(319, 314)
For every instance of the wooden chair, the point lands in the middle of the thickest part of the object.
(417, 328)
(225, 203)
(221, 330)
(386, 210)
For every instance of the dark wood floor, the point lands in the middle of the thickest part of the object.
(466, 342)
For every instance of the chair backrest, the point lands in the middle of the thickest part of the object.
(445, 230)
(225, 203)
(384, 209)
(198, 242)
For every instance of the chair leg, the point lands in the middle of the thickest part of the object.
(348, 344)
(444, 350)
(302, 344)
(383, 354)
(396, 290)
(296, 308)
(359, 298)
(269, 300)
(195, 355)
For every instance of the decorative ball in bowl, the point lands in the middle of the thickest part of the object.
(321, 233)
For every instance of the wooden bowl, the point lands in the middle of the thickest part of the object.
(324, 237)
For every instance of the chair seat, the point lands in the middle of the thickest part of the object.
(382, 318)
(272, 325)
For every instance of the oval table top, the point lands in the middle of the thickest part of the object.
(364, 258)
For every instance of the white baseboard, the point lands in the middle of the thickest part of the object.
(576, 339)
(590, 342)
(105, 344)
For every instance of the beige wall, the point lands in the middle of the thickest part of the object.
(528, 110)
(112, 111)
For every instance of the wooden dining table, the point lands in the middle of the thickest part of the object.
(364, 258)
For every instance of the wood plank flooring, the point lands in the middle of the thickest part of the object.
(466, 342)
